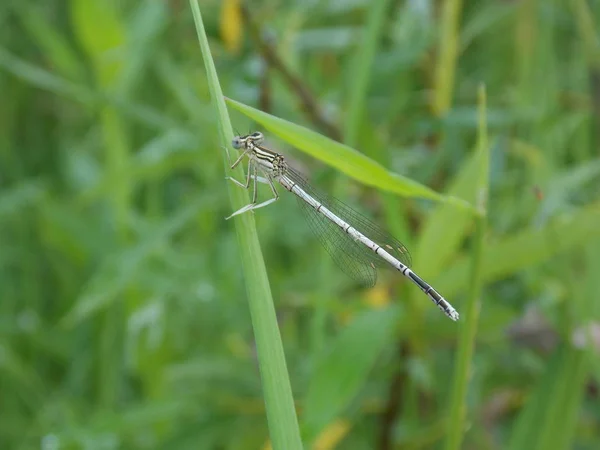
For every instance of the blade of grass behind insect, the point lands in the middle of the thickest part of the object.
(341, 370)
(100, 28)
(586, 28)
(527, 430)
(561, 415)
(446, 227)
(447, 55)
(548, 416)
(470, 310)
(361, 70)
(344, 158)
(279, 403)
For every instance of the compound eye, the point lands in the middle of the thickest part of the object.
(236, 142)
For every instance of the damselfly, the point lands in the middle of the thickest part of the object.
(355, 243)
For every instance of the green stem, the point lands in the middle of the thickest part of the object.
(470, 310)
(362, 64)
(469, 317)
(279, 403)
(447, 56)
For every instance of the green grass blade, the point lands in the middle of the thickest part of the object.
(344, 158)
(470, 310)
(279, 403)
(361, 70)
(566, 403)
(445, 228)
(547, 419)
(341, 370)
(587, 31)
(101, 31)
(448, 54)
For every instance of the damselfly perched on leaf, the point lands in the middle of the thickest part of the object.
(356, 244)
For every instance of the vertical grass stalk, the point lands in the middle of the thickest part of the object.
(587, 31)
(362, 65)
(279, 403)
(470, 311)
(447, 55)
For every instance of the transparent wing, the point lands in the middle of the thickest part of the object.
(346, 252)
(356, 260)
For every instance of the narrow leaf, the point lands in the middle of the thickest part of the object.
(343, 368)
(344, 158)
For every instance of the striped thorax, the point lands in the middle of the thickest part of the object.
(265, 158)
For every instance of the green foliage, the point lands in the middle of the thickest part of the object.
(132, 315)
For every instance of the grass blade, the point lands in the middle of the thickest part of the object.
(470, 311)
(341, 370)
(279, 403)
(361, 70)
(448, 51)
(445, 229)
(344, 158)
(587, 31)
(553, 404)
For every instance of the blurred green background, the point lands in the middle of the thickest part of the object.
(124, 321)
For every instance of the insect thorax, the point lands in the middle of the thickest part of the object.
(279, 165)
